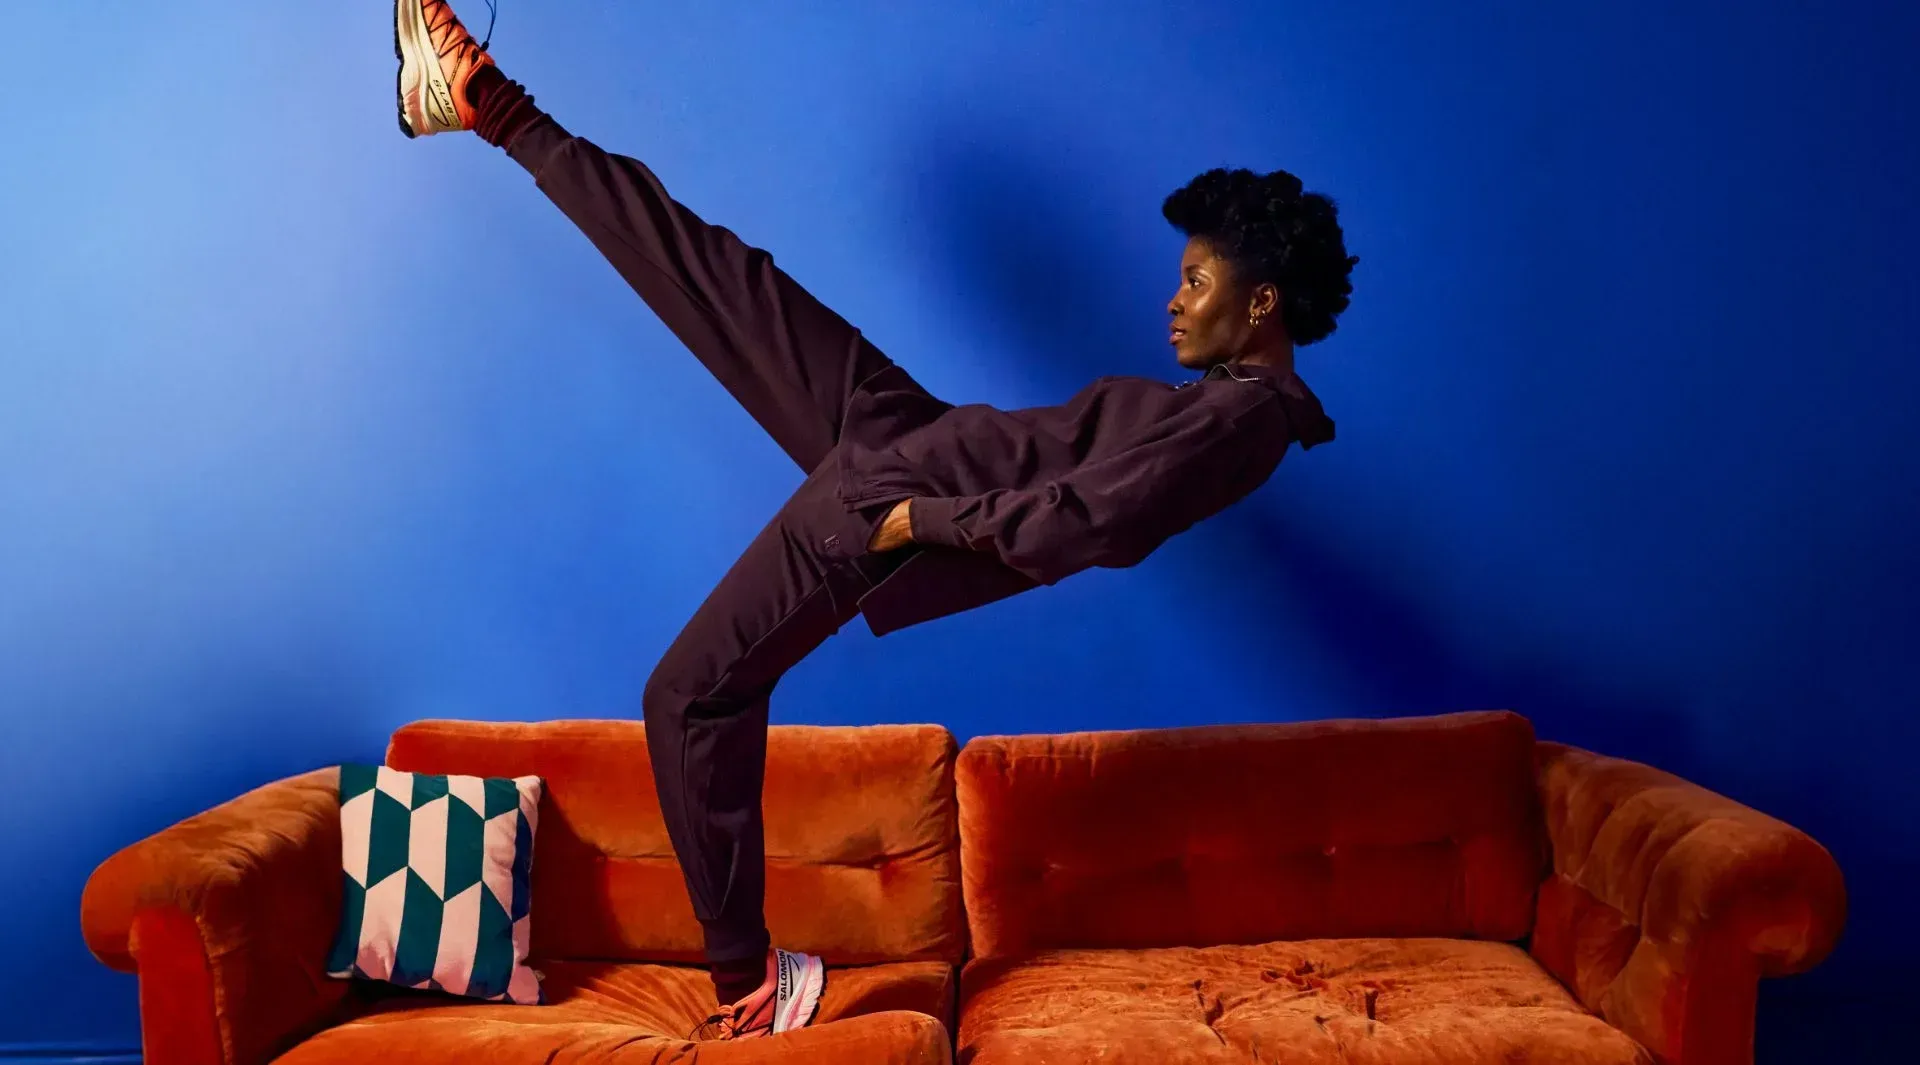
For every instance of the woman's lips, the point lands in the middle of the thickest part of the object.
(1175, 336)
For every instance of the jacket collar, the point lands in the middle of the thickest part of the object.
(1311, 426)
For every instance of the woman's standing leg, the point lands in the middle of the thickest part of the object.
(706, 717)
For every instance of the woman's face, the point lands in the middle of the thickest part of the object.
(1211, 309)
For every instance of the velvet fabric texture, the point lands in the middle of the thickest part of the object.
(1667, 903)
(228, 917)
(862, 839)
(1339, 1002)
(1251, 833)
(625, 1013)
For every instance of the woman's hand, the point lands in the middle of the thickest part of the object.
(895, 530)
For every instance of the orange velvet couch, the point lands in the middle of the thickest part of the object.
(1433, 890)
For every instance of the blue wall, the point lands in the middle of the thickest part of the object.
(1625, 396)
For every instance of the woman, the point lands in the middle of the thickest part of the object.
(896, 521)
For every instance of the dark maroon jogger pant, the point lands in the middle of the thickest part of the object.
(793, 364)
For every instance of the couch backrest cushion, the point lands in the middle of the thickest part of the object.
(1251, 833)
(862, 845)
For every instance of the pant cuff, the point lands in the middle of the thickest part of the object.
(534, 145)
(731, 943)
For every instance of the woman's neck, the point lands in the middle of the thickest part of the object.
(1277, 355)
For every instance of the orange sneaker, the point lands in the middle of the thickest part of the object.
(788, 1000)
(437, 56)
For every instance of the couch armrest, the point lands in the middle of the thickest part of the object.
(1667, 903)
(228, 917)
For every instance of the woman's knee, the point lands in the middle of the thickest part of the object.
(677, 696)
(666, 696)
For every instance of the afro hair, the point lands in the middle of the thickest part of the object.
(1272, 232)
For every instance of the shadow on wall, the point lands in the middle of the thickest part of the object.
(1023, 243)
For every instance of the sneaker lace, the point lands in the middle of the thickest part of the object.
(440, 14)
(721, 1024)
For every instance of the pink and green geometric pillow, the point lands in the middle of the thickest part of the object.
(438, 875)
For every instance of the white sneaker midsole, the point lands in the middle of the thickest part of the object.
(420, 73)
(802, 976)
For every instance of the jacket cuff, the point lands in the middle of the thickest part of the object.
(931, 520)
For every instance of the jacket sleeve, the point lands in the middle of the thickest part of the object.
(1114, 512)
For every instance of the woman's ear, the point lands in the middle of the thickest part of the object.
(1266, 300)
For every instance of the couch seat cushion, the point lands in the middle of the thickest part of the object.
(1432, 1001)
(620, 1013)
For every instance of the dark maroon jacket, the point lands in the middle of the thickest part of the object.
(1004, 501)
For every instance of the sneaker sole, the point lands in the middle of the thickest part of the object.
(799, 1006)
(420, 72)
(400, 75)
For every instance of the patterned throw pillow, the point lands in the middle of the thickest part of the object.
(438, 879)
